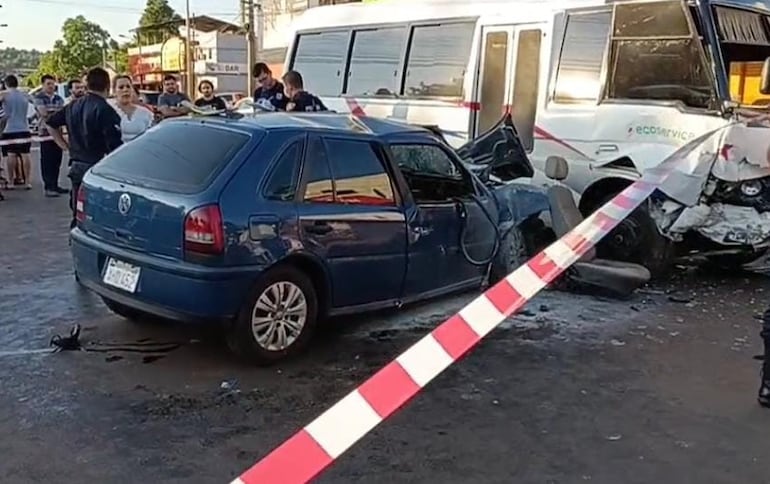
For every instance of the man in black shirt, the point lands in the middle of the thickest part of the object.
(93, 129)
(270, 93)
(299, 99)
(208, 99)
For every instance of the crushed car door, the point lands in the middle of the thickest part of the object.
(497, 154)
(448, 230)
(350, 217)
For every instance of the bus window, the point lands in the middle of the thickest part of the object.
(320, 58)
(438, 58)
(525, 86)
(745, 44)
(665, 65)
(375, 62)
(578, 77)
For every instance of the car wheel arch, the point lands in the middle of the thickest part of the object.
(318, 273)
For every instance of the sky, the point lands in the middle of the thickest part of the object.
(36, 24)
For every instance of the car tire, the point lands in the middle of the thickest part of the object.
(511, 254)
(278, 319)
(652, 250)
(124, 311)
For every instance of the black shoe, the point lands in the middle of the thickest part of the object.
(51, 193)
(61, 190)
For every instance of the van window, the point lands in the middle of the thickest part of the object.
(438, 59)
(375, 62)
(175, 157)
(578, 77)
(663, 63)
(320, 58)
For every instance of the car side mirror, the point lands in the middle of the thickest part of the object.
(764, 80)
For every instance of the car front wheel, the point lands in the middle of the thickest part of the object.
(278, 319)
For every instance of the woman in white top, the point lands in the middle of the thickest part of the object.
(135, 119)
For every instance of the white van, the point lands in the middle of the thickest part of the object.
(613, 87)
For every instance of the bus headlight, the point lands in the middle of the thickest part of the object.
(751, 188)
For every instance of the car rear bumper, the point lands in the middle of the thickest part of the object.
(166, 288)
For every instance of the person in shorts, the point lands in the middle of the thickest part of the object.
(16, 133)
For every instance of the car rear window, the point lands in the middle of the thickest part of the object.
(174, 157)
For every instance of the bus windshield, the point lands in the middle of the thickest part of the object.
(744, 38)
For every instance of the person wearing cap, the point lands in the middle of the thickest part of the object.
(270, 93)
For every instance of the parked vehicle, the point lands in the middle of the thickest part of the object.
(231, 98)
(272, 222)
(612, 87)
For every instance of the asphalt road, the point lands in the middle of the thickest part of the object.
(576, 389)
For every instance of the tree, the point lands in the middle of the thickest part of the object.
(83, 45)
(156, 22)
(14, 60)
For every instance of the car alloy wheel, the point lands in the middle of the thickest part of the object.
(279, 316)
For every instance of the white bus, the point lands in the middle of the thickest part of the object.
(613, 87)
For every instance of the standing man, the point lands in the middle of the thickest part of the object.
(270, 93)
(170, 101)
(93, 127)
(76, 88)
(764, 386)
(16, 107)
(299, 99)
(48, 102)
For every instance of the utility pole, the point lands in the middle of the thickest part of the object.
(251, 45)
(188, 57)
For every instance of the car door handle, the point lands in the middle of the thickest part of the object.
(607, 149)
(123, 234)
(319, 228)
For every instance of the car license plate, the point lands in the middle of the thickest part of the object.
(121, 275)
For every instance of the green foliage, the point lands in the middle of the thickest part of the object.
(13, 60)
(155, 22)
(83, 45)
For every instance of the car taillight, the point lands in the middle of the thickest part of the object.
(203, 231)
(80, 204)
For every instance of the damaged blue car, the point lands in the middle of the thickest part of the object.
(271, 223)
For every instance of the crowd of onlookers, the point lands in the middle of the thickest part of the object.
(128, 113)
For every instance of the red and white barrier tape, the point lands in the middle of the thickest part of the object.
(323, 440)
(20, 141)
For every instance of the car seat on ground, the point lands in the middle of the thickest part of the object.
(617, 277)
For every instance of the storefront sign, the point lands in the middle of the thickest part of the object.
(172, 55)
(220, 68)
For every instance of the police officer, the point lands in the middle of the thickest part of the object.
(300, 100)
(93, 128)
(270, 93)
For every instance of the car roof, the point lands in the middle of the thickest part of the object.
(331, 122)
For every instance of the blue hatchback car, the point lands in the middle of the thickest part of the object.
(272, 222)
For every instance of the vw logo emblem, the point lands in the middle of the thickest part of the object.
(124, 204)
